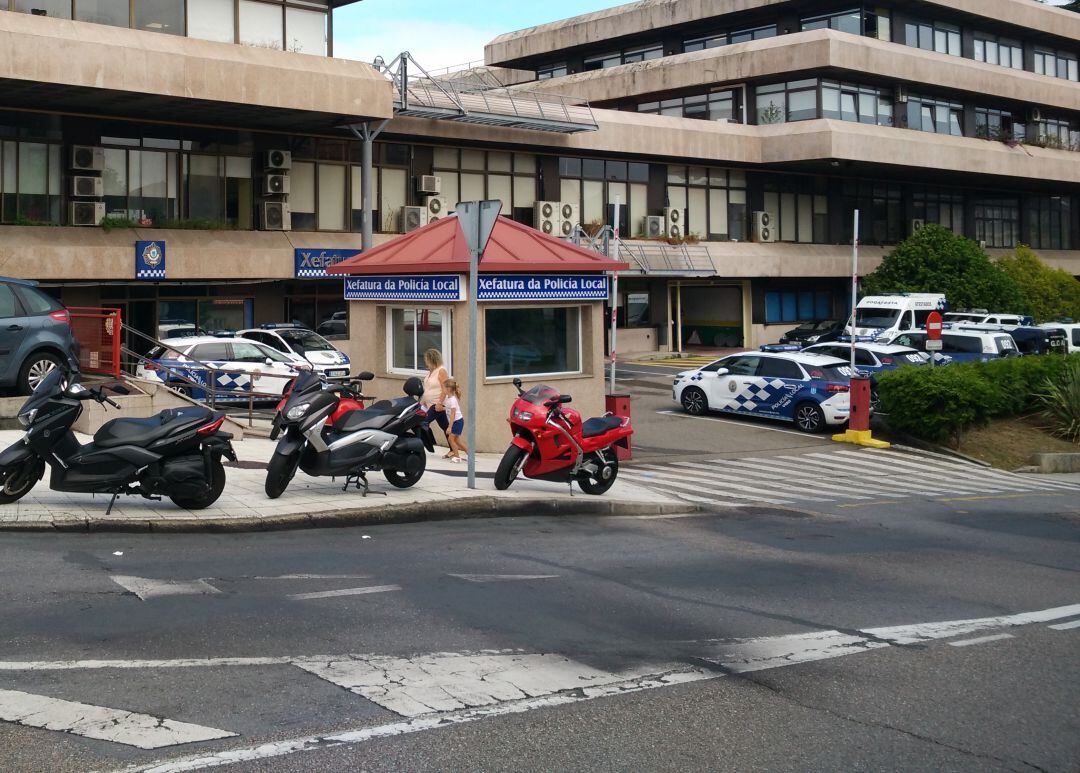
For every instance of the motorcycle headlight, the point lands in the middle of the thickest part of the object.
(297, 411)
(27, 418)
(522, 415)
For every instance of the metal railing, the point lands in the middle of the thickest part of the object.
(657, 258)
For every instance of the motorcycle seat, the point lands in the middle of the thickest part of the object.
(370, 418)
(143, 432)
(600, 425)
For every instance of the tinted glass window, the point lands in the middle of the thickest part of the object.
(36, 302)
(247, 353)
(863, 357)
(208, 352)
(1076, 336)
(7, 302)
(967, 344)
(742, 366)
(772, 367)
(712, 367)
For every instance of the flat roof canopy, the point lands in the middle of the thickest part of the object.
(440, 248)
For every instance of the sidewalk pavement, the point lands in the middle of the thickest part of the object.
(310, 502)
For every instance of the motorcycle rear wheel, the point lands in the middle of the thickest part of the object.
(510, 466)
(280, 472)
(21, 480)
(598, 485)
(404, 479)
(217, 485)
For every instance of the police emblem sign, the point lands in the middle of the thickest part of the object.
(150, 260)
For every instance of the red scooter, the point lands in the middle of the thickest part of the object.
(552, 443)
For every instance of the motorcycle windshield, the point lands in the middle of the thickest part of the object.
(49, 386)
(540, 394)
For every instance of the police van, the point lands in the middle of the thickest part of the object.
(984, 317)
(883, 316)
(778, 382)
(960, 345)
(1071, 330)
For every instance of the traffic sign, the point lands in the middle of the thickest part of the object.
(477, 219)
(933, 327)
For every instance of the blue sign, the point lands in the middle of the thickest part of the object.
(424, 287)
(312, 264)
(542, 287)
(150, 260)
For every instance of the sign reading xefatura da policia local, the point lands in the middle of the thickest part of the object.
(150, 260)
(491, 287)
(312, 263)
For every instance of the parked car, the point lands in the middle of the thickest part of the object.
(302, 346)
(1072, 333)
(984, 317)
(871, 357)
(810, 390)
(962, 345)
(237, 366)
(1029, 340)
(35, 336)
(813, 332)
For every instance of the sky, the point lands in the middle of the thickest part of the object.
(441, 34)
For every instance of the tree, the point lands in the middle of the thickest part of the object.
(935, 260)
(1049, 293)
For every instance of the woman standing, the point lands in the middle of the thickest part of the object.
(433, 390)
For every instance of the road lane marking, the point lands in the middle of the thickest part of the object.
(943, 482)
(981, 640)
(481, 578)
(1004, 496)
(842, 473)
(747, 425)
(146, 588)
(922, 632)
(78, 665)
(327, 594)
(101, 723)
(872, 504)
(681, 492)
(316, 577)
(790, 473)
(746, 655)
(668, 479)
(1065, 626)
(964, 471)
(729, 480)
(969, 467)
(753, 471)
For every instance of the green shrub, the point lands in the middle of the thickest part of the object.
(938, 404)
(1061, 401)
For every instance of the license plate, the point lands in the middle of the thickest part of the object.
(337, 373)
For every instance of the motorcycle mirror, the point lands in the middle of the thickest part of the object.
(517, 383)
(366, 375)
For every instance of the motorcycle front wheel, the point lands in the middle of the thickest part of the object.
(510, 467)
(280, 472)
(599, 484)
(21, 479)
(217, 485)
(406, 478)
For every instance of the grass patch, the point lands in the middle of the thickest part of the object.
(1010, 443)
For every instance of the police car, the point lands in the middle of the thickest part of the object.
(870, 356)
(302, 346)
(778, 382)
(960, 345)
(237, 365)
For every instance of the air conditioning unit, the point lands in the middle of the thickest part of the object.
(654, 227)
(87, 212)
(546, 217)
(674, 223)
(436, 207)
(1036, 115)
(982, 244)
(568, 219)
(901, 94)
(85, 158)
(275, 184)
(429, 183)
(917, 224)
(413, 218)
(764, 224)
(278, 159)
(87, 187)
(276, 216)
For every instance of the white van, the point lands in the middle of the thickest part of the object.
(1072, 332)
(883, 316)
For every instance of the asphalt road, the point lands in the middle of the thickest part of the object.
(749, 639)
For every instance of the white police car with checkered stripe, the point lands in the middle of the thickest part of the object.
(302, 346)
(870, 356)
(237, 366)
(778, 382)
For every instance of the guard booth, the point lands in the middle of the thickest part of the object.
(541, 317)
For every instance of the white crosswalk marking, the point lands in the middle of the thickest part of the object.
(146, 588)
(848, 475)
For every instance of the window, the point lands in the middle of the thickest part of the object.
(111, 12)
(219, 189)
(709, 41)
(1054, 133)
(773, 367)
(532, 341)
(305, 31)
(331, 204)
(36, 302)
(997, 222)
(849, 102)
(30, 177)
(743, 365)
(411, 332)
(792, 101)
(934, 205)
(714, 200)
(798, 306)
(991, 124)
(1001, 51)
(757, 33)
(933, 36)
(210, 353)
(720, 105)
(1048, 219)
(140, 185)
(242, 352)
(801, 215)
(934, 115)
(260, 24)
(881, 219)
(1057, 64)
(159, 16)
(476, 174)
(841, 21)
(629, 56)
(8, 308)
(211, 20)
(594, 185)
(551, 71)
(57, 8)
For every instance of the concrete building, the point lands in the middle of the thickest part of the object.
(206, 126)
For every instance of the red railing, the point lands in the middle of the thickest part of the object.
(98, 332)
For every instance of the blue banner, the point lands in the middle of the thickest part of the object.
(150, 260)
(423, 287)
(542, 287)
(312, 263)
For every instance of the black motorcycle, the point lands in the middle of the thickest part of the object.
(176, 453)
(390, 436)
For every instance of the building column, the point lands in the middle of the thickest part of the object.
(367, 137)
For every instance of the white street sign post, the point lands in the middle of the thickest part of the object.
(854, 287)
(615, 296)
(477, 219)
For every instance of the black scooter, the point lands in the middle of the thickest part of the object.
(391, 436)
(176, 453)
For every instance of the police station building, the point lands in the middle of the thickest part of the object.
(202, 161)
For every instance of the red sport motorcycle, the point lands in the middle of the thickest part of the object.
(553, 443)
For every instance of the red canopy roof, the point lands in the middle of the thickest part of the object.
(440, 248)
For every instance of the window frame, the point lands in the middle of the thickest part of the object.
(579, 314)
(445, 346)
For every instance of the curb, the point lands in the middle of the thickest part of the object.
(412, 512)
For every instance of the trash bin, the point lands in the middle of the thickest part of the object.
(619, 405)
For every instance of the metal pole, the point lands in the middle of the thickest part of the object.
(365, 189)
(678, 315)
(854, 286)
(615, 298)
(474, 261)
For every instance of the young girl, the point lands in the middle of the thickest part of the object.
(451, 397)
